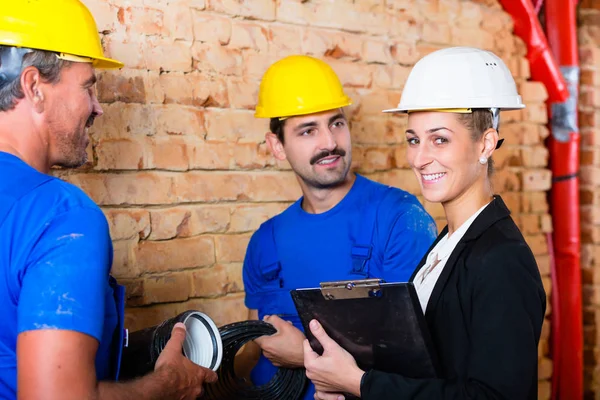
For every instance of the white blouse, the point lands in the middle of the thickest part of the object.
(429, 273)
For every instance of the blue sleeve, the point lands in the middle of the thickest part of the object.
(253, 280)
(411, 235)
(64, 283)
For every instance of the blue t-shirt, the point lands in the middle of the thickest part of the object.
(315, 248)
(55, 259)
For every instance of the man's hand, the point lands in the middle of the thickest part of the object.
(188, 376)
(335, 371)
(283, 348)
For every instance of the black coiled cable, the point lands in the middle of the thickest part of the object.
(288, 384)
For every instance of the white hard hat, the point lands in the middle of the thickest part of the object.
(459, 78)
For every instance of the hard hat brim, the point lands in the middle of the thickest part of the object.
(408, 109)
(107, 63)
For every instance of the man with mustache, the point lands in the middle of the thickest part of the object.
(345, 226)
(62, 313)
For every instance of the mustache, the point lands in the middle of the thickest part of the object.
(326, 153)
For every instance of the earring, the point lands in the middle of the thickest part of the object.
(482, 160)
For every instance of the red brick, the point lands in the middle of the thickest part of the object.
(590, 77)
(543, 262)
(128, 223)
(545, 388)
(222, 310)
(172, 119)
(589, 176)
(179, 18)
(130, 53)
(377, 159)
(126, 86)
(167, 55)
(216, 60)
(405, 53)
(404, 27)
(124, 265)
(249, 35)
(243, 92)
(436, 32)
(186, 221)
(175, 254)
(284, 40)
(352, 74)
(537, 243)
(211, 28)
(170, 152)
(194, 89)
(248, 217)
(535, 156)
(115, 189)
(124, 121)
(291, 12)
(264, 186)
(318, 42)
(234, 126)
(505, 181)
(470, 16)
(474, 37)
(536, 112)
(378, 130)
(400, 178)
(376, 51)
(533, 92)
(231, 248)
(534, 202)
(174, 286)
(536, 180)
(512, 201)
(210, 282)
(590, 233)
(120, 154)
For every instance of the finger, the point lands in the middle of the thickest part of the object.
(309, 354)
(177, 338)
(211, 376)
(275, 321)
(328, 396)
(322, 336)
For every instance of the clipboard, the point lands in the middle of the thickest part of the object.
(380, 324)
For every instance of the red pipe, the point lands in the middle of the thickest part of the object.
(567, 326)
(561, 27)
(542, 64)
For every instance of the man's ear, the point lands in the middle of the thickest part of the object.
(33, 88)
(275, 146)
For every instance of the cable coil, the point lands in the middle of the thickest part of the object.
(288, 384)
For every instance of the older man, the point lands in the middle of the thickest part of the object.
(61, 311)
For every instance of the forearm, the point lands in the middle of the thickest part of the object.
(157, 385)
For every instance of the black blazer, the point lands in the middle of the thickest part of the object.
(485, 317)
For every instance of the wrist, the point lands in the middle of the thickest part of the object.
(355, 380)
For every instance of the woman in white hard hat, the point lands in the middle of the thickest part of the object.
(479, 285)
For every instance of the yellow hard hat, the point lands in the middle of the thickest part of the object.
(62, 26)
(299, 85)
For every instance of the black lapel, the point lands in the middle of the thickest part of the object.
(494, 212)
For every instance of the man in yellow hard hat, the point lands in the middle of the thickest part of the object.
(62, 314)
(345, 226)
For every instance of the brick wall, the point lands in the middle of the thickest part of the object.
(589, 121)
(178, 161)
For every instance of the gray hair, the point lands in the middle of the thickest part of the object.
(46, 62)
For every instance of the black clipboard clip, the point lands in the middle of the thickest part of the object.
(359, 289)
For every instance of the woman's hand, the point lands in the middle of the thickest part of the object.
(333, 372)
